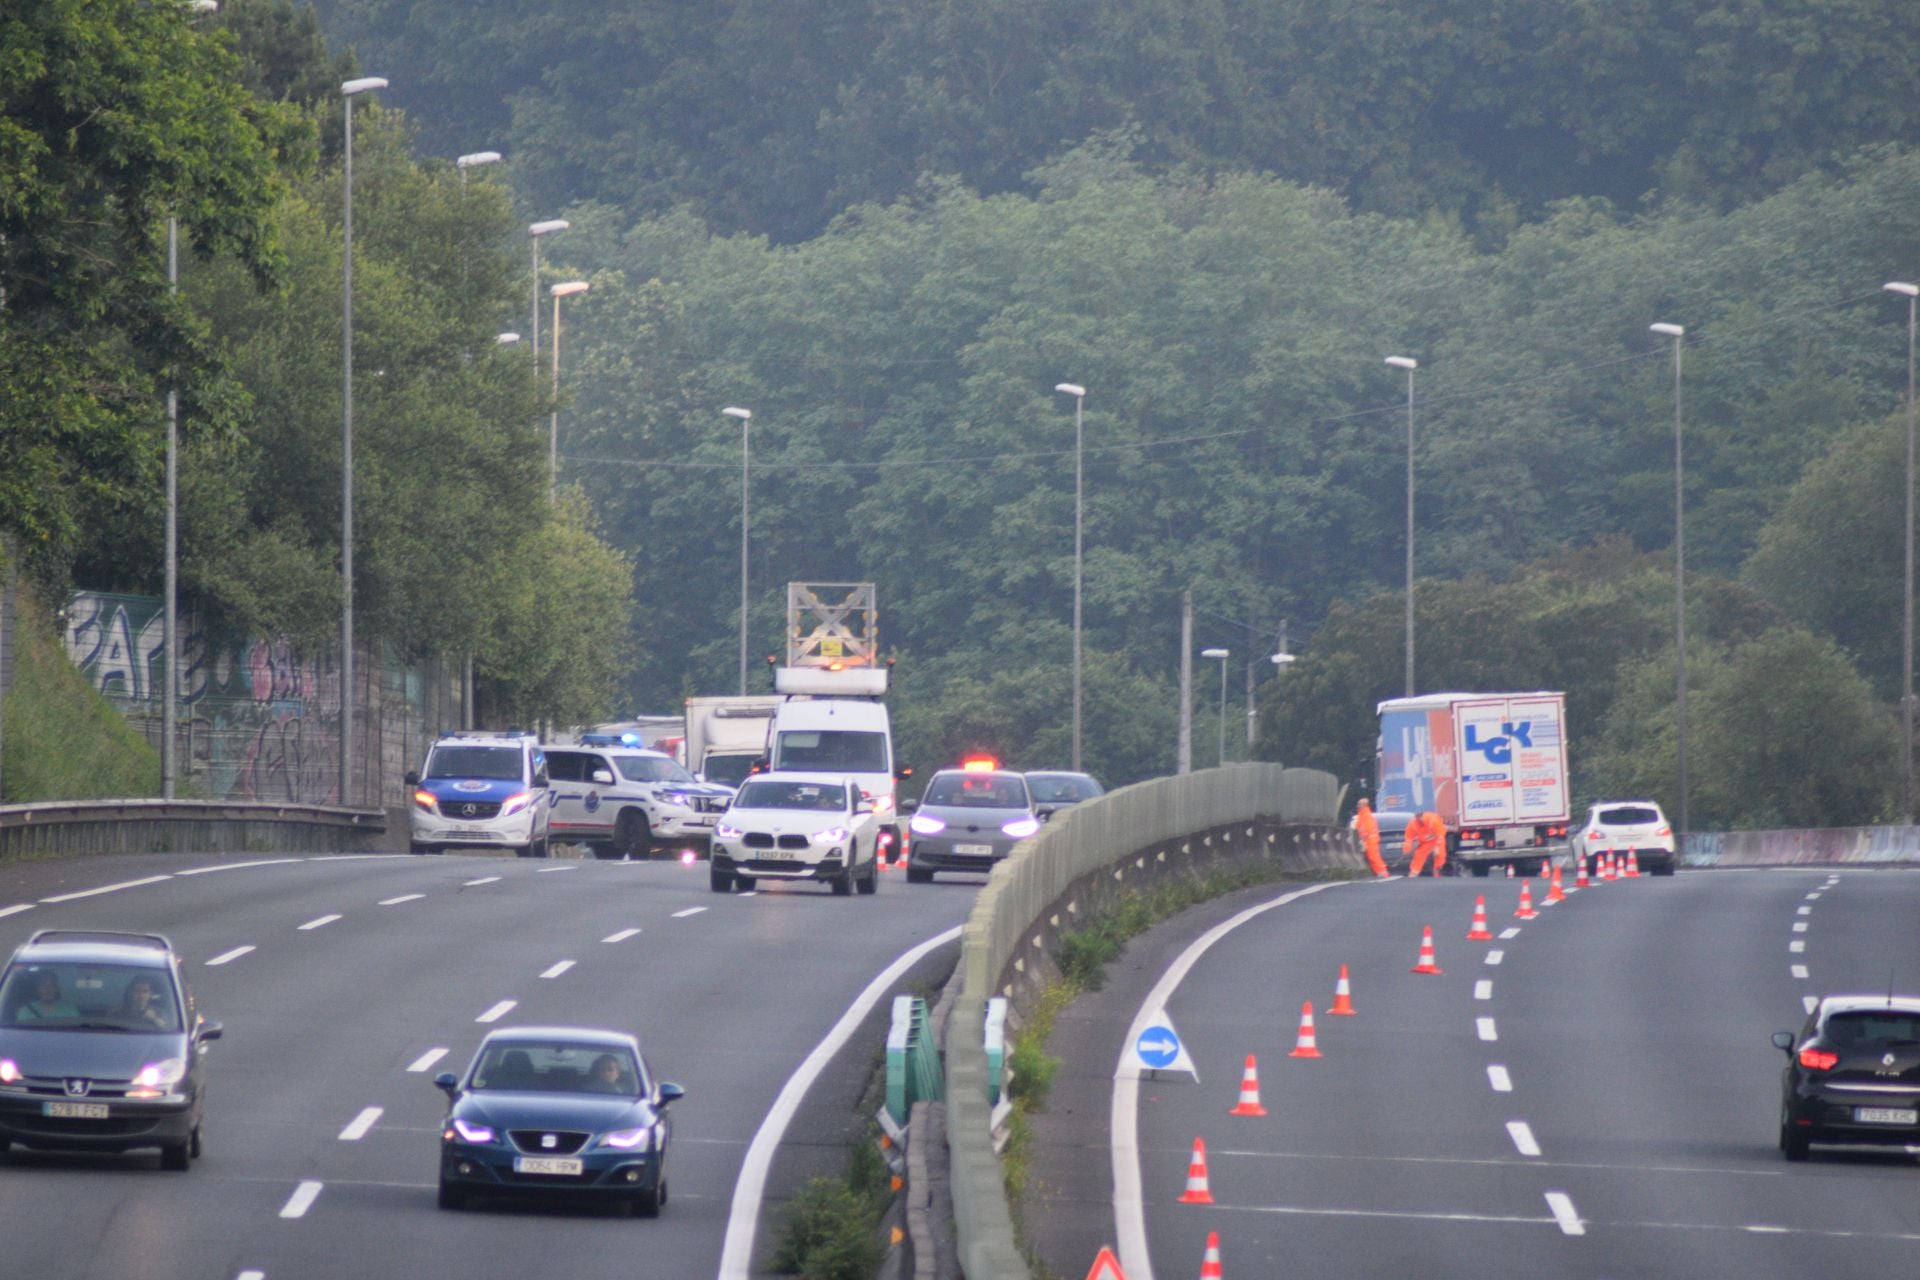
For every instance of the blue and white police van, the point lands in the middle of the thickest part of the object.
(622, 800)
(481, 790)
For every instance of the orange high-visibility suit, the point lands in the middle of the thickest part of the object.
(1367, 827)
(1427, 837)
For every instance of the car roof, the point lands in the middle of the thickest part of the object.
(1060, 773)
(1625, 804)
(582, 1035)
(1856, 1004)
(98, 946)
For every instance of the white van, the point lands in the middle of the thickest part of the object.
(841, 737)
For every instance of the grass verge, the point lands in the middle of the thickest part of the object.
(832, 1226)
(62, 740)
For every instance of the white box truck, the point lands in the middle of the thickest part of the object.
(726, 735)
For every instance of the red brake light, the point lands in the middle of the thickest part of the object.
(1597, 834)
(1666, 831)
(1819, 1059)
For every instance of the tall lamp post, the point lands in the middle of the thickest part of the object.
(1409, 364)
(1079, 394)
(1222, 655)
(474, 160)
(1678, 333)
(564, 290)
(349, 90)
(537, 232)
(746, 433)
(1911, 293)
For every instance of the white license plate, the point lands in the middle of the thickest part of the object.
(547, 1164)
(777, 855)
(471, 831)
(1885, 1115)
(75, 1110)
(973, 848)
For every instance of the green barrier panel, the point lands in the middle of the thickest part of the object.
(996, 1038)
(913, 1065)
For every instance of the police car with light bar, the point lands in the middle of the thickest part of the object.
(623, 801)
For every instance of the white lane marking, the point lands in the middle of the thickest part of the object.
(301, 1200)
(405, 897)
(358, 857)
(743, 1217)
(554, 971)
(357, 1128)
(1814, 896)
(690, 911)
(1564, 1213)
(1508, 935)
(1803, 911)
(751, 893)
(546, 869)
(1483, 989)
(481, 880)
(1797, 946)
(16, 909)
(426, 1059)
(236, 866)
(1808, 1002)
(498, 1011)
(1800, 926)
(321, 922)
(251, 1275)
(1123, 1117)
(1765, 1229)
(1497, 1077)
(621, 936)
(1485, 1028)
(1522, 1134)
(1304, 1211)
(105, 888)
(1495, 957)
(225, 956)
(1800, 971)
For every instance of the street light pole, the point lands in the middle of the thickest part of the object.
(473, 160)
(1911, 293)
(1409, 364)
(1678, 333)
(535, 233)
(1079, 395)
(746, 428)
(1222, 655)
(565, 290)
(348, 92)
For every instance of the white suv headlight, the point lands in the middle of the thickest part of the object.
(832, 835)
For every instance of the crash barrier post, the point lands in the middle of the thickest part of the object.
(183, 826)
(913, 1063)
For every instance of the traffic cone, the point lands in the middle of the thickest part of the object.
(1607, 873)
(1554, 892)
(1633, 865)
(1210, 1262)
(1509, 871)
(1525, 910)
(1304, 1047)
(1479, 932)
(1342, 996)
(1580, 872)
(1426, 964)
(1249, 1104)
(1196, 1192)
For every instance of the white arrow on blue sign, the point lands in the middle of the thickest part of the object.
(1158, 1048)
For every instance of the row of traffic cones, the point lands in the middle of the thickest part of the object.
(1306, 1045)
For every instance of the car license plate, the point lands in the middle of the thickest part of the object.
(75, 1110)
(471, 831)
(1885, 1115)
(779, 855)
(973, 848)
(547, 1164)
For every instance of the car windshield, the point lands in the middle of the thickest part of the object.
(831, 750)
(1627, 815)
(651, 769)
(89, 997)
(729, 771)
(556, 1067)
(976, 791)
(1061, 788)
(770, 793)
(1872, 1028)
(499, 764)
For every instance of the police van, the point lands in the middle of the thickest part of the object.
(481, 790)
(624, 801)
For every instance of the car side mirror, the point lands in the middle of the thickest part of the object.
(1783, 1041)
(666, 1092)
(411, 777)
(539, 777)
(865, 806)
(209, 1031)
(909, 806)
(446, 1082)
(602, 777)
(904, 772)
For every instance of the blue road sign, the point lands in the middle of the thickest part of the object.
(1158, 1047)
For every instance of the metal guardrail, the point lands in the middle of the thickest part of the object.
(198, 826)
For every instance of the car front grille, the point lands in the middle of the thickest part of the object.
(470, 810)
(533, 1141)
(793, 842)
(757, 840)
(70, 1127)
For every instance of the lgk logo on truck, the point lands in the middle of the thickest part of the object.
(1499, 749)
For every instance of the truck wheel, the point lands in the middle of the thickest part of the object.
(632, 835)
(1479, 869)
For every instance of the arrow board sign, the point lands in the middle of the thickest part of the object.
(1158, 1048)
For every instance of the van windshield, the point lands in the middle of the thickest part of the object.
(831, 751)
(499, 764)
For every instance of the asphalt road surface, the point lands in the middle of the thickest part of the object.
(1591, 1094)
(345, 984)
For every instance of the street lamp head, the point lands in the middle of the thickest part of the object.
(742, 414)
(567, 288)
(1282, 660)
(366, 84)
(506, 340)
(1671, 330)
(202, 6)
(1214, 653)
(1403, 362)
(539, 229)
(473, 159)
(1069, 389)
(1902, 288)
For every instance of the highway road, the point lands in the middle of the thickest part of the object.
(1591, 1094)
(345, 984)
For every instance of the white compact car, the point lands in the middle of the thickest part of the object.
(796, 826)
(1622, 825)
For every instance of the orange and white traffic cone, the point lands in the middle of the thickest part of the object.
(1525, 911)
(1509, 871)
(1607, 872)
(1342, 996)
(1633, 865)
(1249, 1104)
(1480, 932)
(1304, 1047)
(1426, 963)
(1580, 872)
(1210, 1261)
(1196, 1192)
(1554, 892)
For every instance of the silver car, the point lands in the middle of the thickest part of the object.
(967, 820)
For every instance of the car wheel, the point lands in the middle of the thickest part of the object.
(176, 1158)
(649, 1204)
(742, 883)
(603, 852)
(719, 881)
(1794, 1142)
(633, 834)
(870, 883)
(449, 1198)
(918, 875)
(193, 1143)
(1664, 869)
(843, 883)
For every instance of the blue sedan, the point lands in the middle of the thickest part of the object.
(557, 1111)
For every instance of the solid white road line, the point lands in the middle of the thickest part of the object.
(405, 897)
(1508, 935)
(1800, 971)
(357, 1129)
(1123, 1120)
(1522, 1134)
(736, 1254)
(426, 1059)
(1497, 1077)
(225, 956)
(751, 893)
(301, 1200)
(544, 869)
(690, 911)
(251, 1275)
(236, 866)
(320, 922)
(1564, 1213)
(498, 1011)
(16, 909)
(1483, 989)
(105, 888)
(482, 880)
(554, 971)
(1495, 957)
(1484, 1027)
(621, 936)
(1796, 946)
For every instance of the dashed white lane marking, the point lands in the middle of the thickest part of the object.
(1797, 946)
(16, 909)
(1495, 957)
(105, 888)
(1522, 1134)
(225, 956)
(1508, 935)
(251, 1275)
(621, 936)
(357, 1128)
(1564, 1213)
(1808, 1002)
(1497, 1077)
(482, 880)
(498, 1011)
(1814, 896)
(546, 869)
(1483, 989)
(405, 897)
(426, 1059)
(555, 970)
(301, 1200)
(1803, 911)
(321, 922)
(1800, 971)
(1799, 926)
(236, 866)
(1765, 1229)
(1486, 1029)
(690, 911)
(751, 893)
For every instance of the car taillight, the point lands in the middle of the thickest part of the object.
(1819, 1059)
(1665, 831)
(1596, 834)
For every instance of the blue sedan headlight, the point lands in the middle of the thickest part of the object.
(638, 1139)
(478, 1134)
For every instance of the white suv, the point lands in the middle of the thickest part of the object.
(480, 790)
(1623, 825)
(623, 800)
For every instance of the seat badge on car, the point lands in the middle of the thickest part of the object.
(1887, 1061)
(548, 1141)
(78, 1088)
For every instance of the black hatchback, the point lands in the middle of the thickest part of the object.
(101, 1048)
(1852, 1075)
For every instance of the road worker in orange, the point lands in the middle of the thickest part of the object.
(1367, 827)
(1427, 837)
